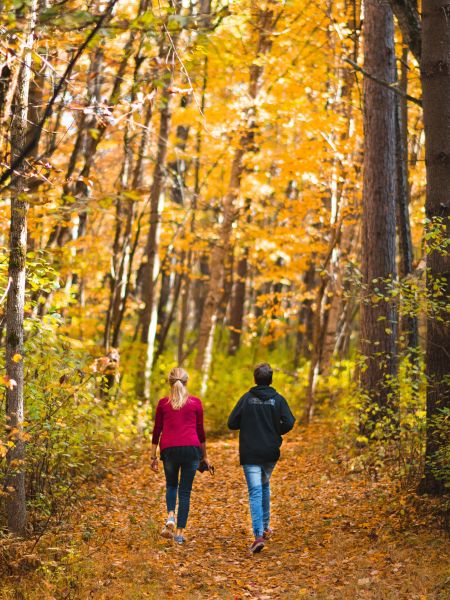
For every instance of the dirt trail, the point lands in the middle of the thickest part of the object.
(337, 536)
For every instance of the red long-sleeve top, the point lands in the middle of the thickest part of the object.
(182, 427)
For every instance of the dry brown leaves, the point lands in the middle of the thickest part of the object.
(337, 536)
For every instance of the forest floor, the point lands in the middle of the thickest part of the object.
(337, 536)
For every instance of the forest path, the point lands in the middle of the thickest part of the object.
(336, 534)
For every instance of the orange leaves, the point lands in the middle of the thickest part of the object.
(322, 520)
(9, 382)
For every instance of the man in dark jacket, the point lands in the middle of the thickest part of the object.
(262, 416)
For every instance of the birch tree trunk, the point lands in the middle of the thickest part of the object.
(378, 316)
(15, 478)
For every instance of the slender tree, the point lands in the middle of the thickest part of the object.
(150, 267)
(15, 478)
(408, 326)
(264, 23)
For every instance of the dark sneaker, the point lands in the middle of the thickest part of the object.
(257, 545)
(268, 533)
(179, 539)
(169, 528)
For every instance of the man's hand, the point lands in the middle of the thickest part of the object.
(154, 465)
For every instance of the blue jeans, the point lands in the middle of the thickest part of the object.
(258, 483)
(181, 484)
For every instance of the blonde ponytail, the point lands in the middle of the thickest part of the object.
(178, 394)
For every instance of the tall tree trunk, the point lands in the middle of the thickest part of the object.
(378, 318)
(303, 337)
(264, 23)
(15, 478)
(151, 266)
(435, 72)
(239, 294)
(238, 303)
(216, 267)
(319, 328)
(187, 281)
(131, 177)
(409, 326)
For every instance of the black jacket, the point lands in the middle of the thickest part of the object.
(262, 416)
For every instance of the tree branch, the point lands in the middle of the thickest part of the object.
(391, 86)
(48, 110)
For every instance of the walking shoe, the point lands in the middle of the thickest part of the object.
(168, 528)
(267, 533)
(257, 545)
(179, 539)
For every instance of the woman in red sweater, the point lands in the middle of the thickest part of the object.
(180, 434)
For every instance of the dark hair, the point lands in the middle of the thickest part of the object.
(263, 374)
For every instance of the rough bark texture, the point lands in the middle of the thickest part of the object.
(409, 326)
(435, 72)
(15, 479)
(151, 250)
(237, 303)
(305, 319)
(378, 318)
(216, 265)
(408, 19)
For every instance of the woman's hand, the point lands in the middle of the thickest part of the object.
(154, 464)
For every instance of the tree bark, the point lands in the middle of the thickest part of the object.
(16, 511)
(304, 332)
(238, 303)
(435, 74)
(408, 19)
(131, 178)
(409, 326)
(150, 267)
(187, 281)
(378, 315)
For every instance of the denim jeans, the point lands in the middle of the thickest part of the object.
(258, 483)
(179, 479)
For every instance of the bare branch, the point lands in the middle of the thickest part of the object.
(391, 86)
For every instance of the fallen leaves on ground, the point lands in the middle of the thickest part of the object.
(337, 536)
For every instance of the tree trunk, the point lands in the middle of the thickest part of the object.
(238, 303)
(409, 326)
(239, 294)
(125, 215)
(15, 478)
(378, 318)
(303, 336)
(263, 25)
(151, 267)
(319, 328)
(407, 15)
(435, 73)
(227, 287)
